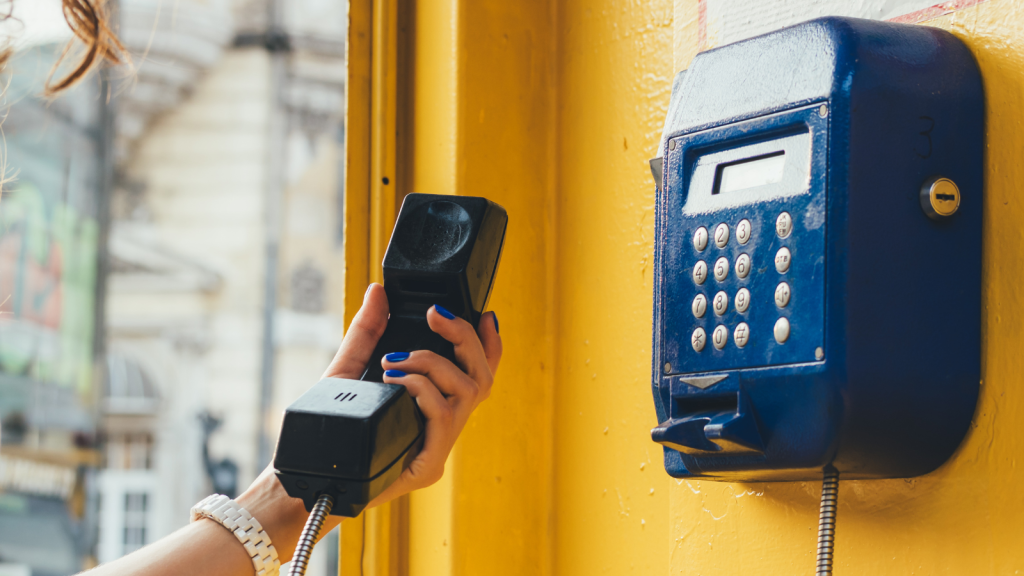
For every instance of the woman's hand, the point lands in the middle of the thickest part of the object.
(446, 394)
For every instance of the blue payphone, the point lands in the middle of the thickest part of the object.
(817, 296)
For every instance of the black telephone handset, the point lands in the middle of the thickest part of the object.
(352, 438)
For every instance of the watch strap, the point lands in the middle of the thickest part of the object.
(247, 529)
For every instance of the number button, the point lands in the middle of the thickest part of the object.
(743, 266)
(720, 336)
(700, 306)
(722, 235)
(782, 260)
(721, 269)
(743, 231)
(700, 239)
(721, 303)
(782, 295)
(742, 300)
(781, 330)
(698, 339)
(700, 272)
(784, 225)
(741, 335)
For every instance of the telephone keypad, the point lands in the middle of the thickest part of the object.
(766, 241)
(700, 272)
(743, 298)
(700, 239)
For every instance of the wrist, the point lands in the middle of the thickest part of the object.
(281, 515)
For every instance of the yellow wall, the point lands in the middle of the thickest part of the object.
(552, 110)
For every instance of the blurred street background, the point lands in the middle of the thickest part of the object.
(170, 267)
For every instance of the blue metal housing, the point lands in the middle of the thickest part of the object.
(880, 374)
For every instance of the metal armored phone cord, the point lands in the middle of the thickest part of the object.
(827, 520)
(310, 533)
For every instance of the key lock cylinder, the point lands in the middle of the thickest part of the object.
(351, 439)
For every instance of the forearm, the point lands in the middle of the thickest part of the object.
(205, 548)
(201, 548)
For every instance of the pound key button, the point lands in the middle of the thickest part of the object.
(741, 335)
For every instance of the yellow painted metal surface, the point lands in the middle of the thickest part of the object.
(611, 492)
(377, 541)
(552, 109)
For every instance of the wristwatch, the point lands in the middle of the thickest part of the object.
(247, 529)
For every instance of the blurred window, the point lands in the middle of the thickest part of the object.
(129, 389)
(136, 506)
(131, 451)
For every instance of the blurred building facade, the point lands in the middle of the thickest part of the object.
(221, 298)
(51, 221)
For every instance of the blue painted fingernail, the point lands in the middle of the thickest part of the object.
(397, 356)
(395, 374)
(444, 312)
(496, 329)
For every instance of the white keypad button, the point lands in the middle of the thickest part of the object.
(721, 269)
(782, 260)
(700, 239)
(742, 300)
(743, 266)
(698, 339)
(722, 235)
(743, 231)
(720, 336)
(741, 335)
(781, 330)
(700, 272)
(700, 306)
(782, 295)
(784, 225)
(721, 303)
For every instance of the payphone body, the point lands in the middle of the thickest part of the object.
(817, 295)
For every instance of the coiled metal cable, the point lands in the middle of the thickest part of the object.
(827, 520)
(310, 534)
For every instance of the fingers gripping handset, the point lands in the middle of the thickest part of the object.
(352, 436)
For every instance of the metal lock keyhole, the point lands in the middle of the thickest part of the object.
(940, 198)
